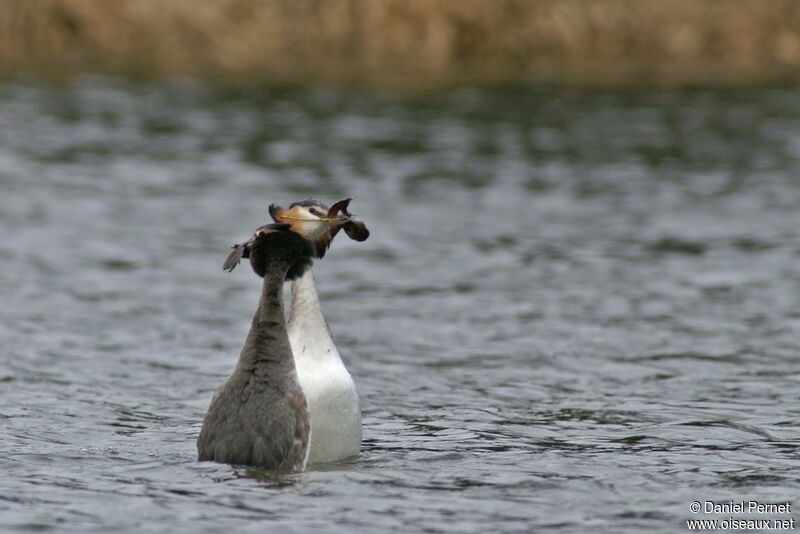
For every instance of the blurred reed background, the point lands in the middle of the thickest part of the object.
(409, 45)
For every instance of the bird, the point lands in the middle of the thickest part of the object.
(259, 416)
(330, 391)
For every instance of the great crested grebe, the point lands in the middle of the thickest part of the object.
(260, 416)
(329, 388)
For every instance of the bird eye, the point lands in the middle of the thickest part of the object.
(316, 211)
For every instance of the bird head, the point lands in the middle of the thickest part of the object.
(310, 220)
(319, 223)
(274, 246)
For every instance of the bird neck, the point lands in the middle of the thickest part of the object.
(305, 300)
(309, 334)
(267, 345)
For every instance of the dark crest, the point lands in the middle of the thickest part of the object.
(273, 245)
(309, 202)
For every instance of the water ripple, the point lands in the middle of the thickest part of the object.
(576, 310)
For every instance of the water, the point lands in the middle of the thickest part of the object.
(575, 311)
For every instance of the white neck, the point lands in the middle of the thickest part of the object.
(329, 388)
(305, 299)
(307, 325)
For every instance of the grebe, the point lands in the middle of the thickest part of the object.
(260, 416)
(330, 391)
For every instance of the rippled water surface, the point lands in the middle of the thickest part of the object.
(575, 312)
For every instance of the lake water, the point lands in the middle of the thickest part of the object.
(576, 311)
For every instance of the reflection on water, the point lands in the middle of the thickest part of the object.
(574, 310)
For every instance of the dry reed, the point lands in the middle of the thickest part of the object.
(409, 44)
